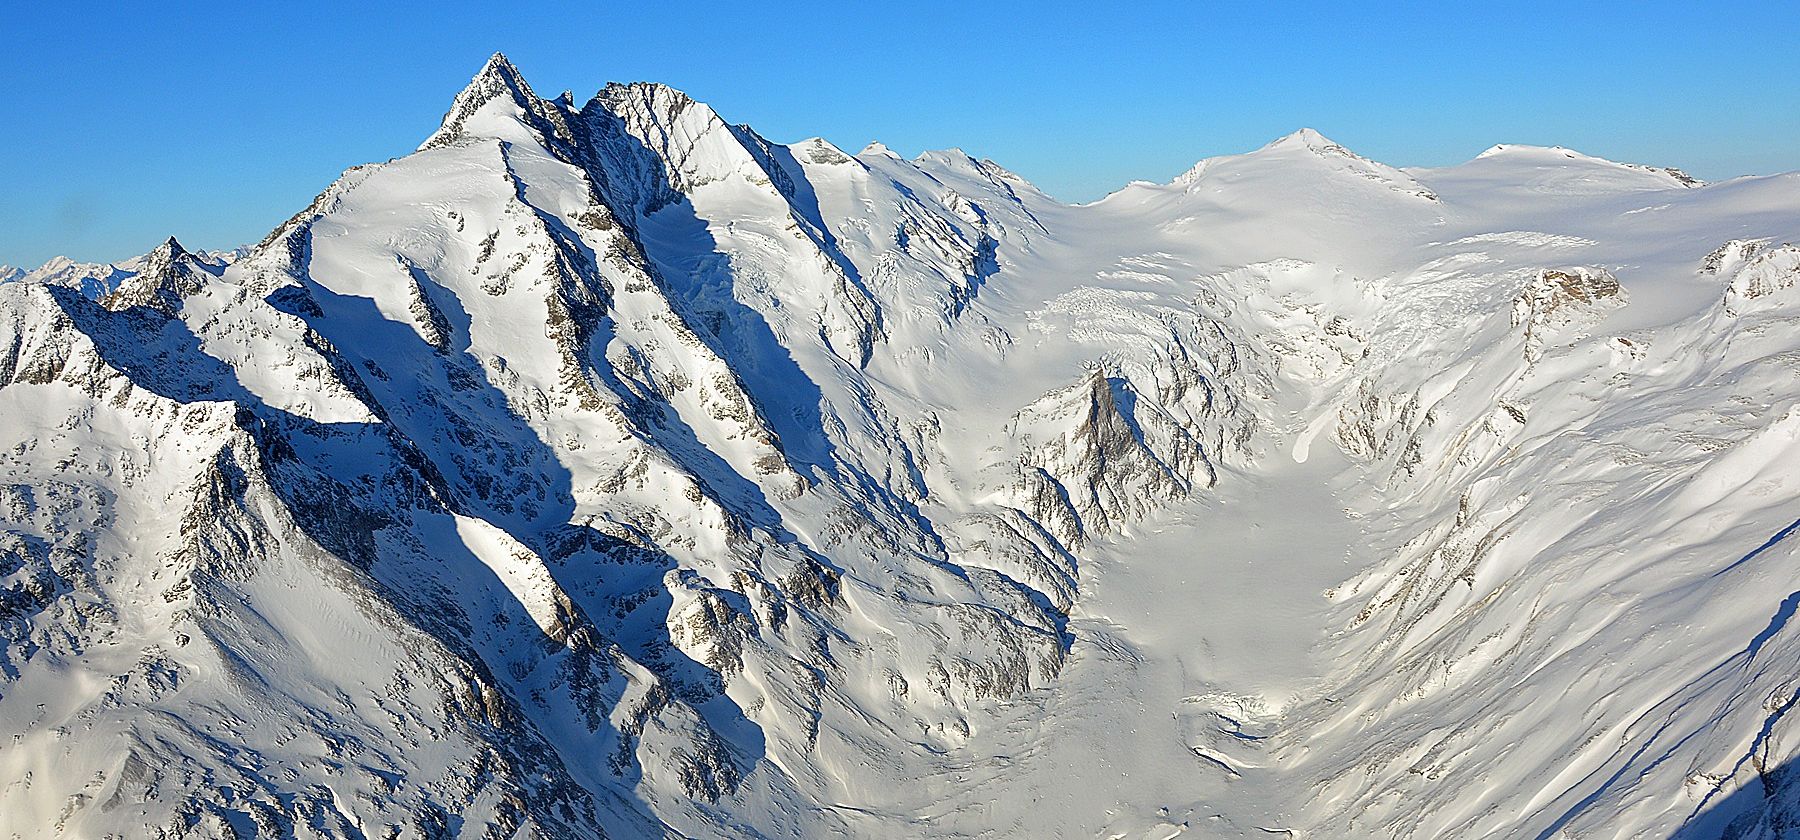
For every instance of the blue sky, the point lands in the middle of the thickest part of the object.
(125, 123)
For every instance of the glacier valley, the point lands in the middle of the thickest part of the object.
(606, 469)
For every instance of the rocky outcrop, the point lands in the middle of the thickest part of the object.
(1760, 274)
(1729, 257)
(1558, 303)
(1098, 456)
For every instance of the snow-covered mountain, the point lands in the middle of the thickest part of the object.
(98, 279)
(608, 469)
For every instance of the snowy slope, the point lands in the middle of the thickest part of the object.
(608, 469)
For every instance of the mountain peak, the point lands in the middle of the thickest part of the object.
(498, 77)
(653, 90)
(1528, 150)
(653, 101)
(500, 68)
(1563, 156)
(497, 80)
(1311, 151)
(169, 251)
(954, 153)
(1307, 135)
(876, 147)
(163, 277)
(1306, 138)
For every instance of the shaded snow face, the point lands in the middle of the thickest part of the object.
(612, 470)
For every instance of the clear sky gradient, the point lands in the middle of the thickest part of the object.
(122, 123)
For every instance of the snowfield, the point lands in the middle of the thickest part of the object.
(610, 470)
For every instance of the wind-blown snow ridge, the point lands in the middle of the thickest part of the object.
(609, 469)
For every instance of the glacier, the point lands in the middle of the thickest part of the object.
(610, 470)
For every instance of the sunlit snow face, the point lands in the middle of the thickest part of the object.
(609, 468)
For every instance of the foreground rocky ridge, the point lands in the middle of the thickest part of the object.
(610, 470)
